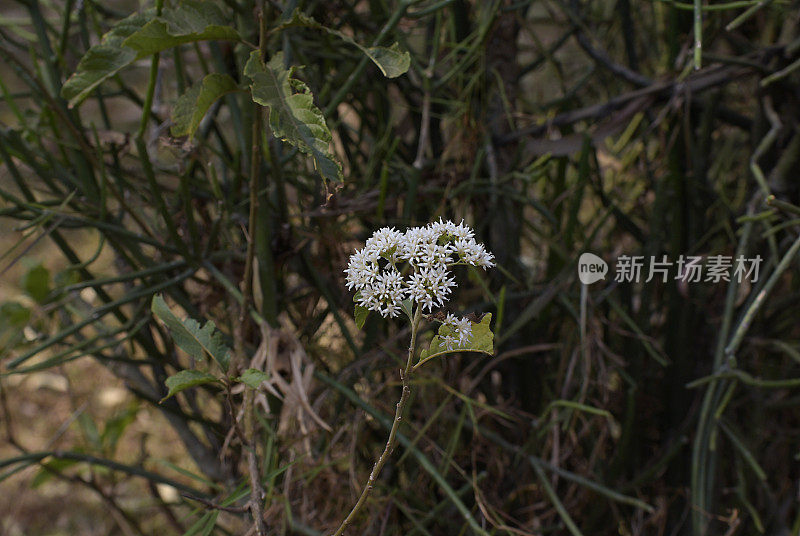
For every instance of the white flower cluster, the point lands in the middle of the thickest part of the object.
(429, 252)
(462, 332)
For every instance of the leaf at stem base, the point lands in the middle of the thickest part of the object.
(482, 340)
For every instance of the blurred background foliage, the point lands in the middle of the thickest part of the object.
(553, 127)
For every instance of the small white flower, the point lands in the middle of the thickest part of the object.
(473, 253)
(433, 255)
(389, 286)
(462, 328)
(430, 252)
(366, 298)
(361, 269)
(441, 227)
(430, 286)
(462, 232)
(451, 230)
(415, 242)
(385, 242)
(384, 293)
(449, 342)
(390, 310)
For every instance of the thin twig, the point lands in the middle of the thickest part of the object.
(215, 506)
(425, 121)
(705, 79)
(256, 491)
(405, 377)
(601, 56)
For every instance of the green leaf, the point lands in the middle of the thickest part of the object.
(192, 106)
(293, 116)
(204, 525)
(185, 472)
(115, 427)
(36, 282)
(13, 318)
(14, 315)
(64, 278)
(253, 377)
(407, 307)
(211, 522)
(186, 379)
(482, 340)
(89, 430)
(104, 60)
(49, 469)
(190, 21)
(191, 337)
(392, 61)
(142, 35)
(361, 314)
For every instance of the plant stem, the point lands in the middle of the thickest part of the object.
(405, 377)
(255, 169)
(151, 84)
(256, 490)
(241, 333)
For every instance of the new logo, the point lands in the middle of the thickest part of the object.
(591, 268)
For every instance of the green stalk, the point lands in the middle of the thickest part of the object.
(256, 491)
(750, 314)
(151, 84)
(701, 479)
(134, 470)
(698, 33)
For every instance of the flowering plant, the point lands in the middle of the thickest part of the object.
(410, 272)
